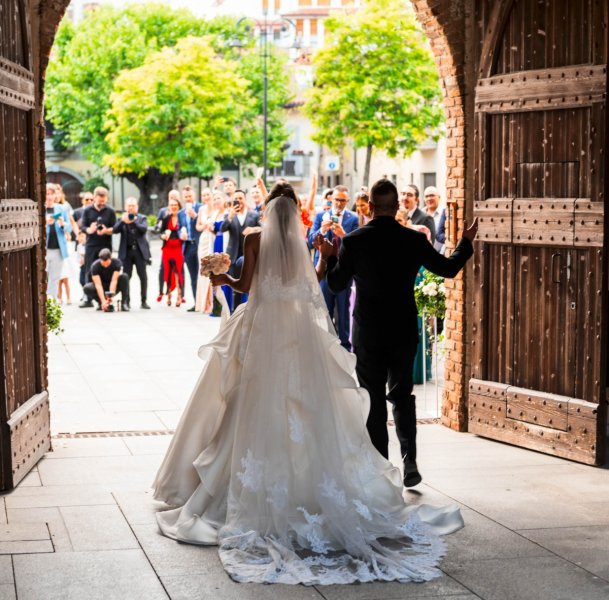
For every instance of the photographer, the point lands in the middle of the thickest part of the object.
(106, 281)
(98, 219)
(134, 248)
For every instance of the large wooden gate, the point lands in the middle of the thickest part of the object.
(24, 406)
(540, 328)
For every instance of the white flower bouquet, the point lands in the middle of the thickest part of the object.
(216, 263)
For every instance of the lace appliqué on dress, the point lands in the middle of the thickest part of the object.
(272, 288)
(251, 476)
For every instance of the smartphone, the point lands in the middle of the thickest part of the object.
(235, 203)
(224, 179)
(334, 219)
(259, 172)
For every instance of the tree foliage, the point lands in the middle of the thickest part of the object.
(376, 83)
(88, 62)
(179, 112)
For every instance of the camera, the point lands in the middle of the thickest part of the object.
(100, 224)
(109, 294)
(334, 219)
(131, 217)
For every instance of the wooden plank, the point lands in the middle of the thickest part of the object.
(19, 225)
(544, 89)
(549, 410)
(30, 435)
(543, 222)
(494, 220)
(498, 18)
(589, 223)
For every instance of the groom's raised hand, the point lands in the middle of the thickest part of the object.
(470, 232)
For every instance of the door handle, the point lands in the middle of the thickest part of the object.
(556, 258)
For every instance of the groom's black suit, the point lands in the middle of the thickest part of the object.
(384, 258)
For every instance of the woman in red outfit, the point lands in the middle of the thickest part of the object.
(172, 255)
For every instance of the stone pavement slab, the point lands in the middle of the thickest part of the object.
(115, 575)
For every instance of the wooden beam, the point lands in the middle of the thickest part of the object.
(496, 26)
(16, 86)
(19, 222)
(557, 88)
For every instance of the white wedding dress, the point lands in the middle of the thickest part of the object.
(271, 459)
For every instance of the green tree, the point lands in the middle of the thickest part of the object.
(87, 60)
(376, 83)
(180, 111)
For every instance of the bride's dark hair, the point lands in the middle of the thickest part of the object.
(281, 187)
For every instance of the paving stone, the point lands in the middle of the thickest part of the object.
(213, 586)
(97, 528)
(483, 538)
(87, 447)
(99, 470)
(14, 532)
(138, 506)
(153, 444)
(538, 578)
(58, 495)
(444, 586)
(117, 575)
(26, 547)
(53, 520)
(6, 570)
(7, 591)
(587, 547)
(32, 479)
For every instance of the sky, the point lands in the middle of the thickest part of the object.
(211, 8)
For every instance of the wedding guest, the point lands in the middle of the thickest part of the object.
(436, 212)
(207, 236)
(86, 199)
(56, 243)
(334, 224)
(256, 199)
(410, 201)
(69, 267)
(173, 195)
(134, 248)
(171, 253)
(206, 198)
(362, 208)
(107, 281)
(307, 206)
(98, 219)
(80, 253)
(228, 185)
(190, 242)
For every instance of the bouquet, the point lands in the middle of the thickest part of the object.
(215, 263)
(430, 295)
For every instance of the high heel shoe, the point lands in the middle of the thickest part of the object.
(179, 301)
(159, 298)
(168, 300)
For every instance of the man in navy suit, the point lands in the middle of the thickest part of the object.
(334, 224)
(187, 218)
(134, 248)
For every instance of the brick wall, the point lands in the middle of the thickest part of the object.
(446, 24)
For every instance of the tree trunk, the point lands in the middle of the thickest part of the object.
(367, 166)
(176, 177)
(154, 187)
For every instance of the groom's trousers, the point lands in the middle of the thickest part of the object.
(386, 373)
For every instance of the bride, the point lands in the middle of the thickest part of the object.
(271, 460)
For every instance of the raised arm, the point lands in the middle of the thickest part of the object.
(312, 194)
(251, 247)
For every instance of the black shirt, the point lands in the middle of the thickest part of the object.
(108, 218)
(52, 241)
(105, 273)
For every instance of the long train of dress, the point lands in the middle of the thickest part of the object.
(271, 459)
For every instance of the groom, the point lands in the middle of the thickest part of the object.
(384, 258)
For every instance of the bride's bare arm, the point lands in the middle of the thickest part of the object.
(251, 247)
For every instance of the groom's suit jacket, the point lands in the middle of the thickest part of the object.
(383, 258)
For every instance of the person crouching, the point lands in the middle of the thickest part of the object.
(107, 281)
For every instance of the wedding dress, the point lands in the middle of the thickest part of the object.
(271, 459)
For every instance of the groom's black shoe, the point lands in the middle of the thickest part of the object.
(412, 476)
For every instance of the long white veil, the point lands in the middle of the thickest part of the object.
(285, 478)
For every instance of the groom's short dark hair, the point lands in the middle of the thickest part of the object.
(384, 195)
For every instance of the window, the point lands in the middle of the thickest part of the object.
(427, 179)
(313, 24)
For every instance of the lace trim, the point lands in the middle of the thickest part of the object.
(272, 288)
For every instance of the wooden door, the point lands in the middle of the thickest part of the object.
(539, 331)
(24, 406)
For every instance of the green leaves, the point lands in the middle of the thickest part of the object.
(376, 83)
(180, 111)
(151, 88)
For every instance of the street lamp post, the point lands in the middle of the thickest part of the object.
(264, 54)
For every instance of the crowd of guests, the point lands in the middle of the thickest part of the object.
(80, 241)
